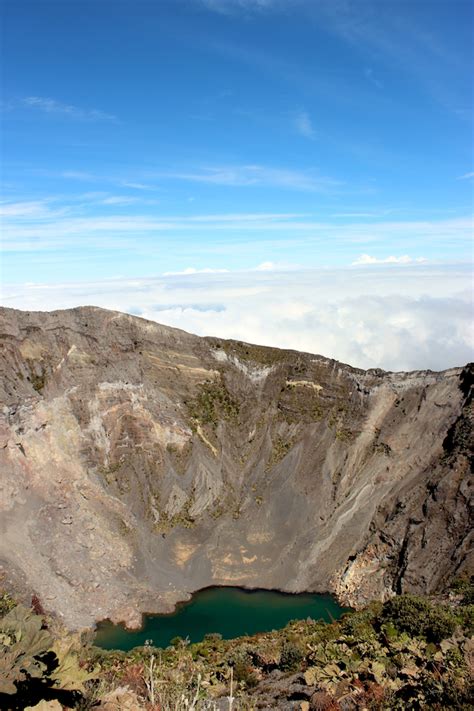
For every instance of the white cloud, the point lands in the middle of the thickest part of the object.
(86, 176)
(119, 200)
(258, 176)
(356, 214)
(265, 267)
(235, 233)
(51, 106)
(304, 125)
(191, 270)
(246, 217)
(366, 259)
(78, 175)
(28, 212)
(138, 186)
(249, 175)
(466, 176)
(229, 7)
(392, 317)
(32, 208)
(275, 266)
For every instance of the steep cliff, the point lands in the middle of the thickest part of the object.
(140, 463)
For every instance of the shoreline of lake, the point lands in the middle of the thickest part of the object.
(227, 610)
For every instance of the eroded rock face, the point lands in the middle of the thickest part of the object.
(140, 463)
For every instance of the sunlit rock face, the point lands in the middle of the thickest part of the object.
(140, 463)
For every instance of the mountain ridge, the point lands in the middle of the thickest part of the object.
(99, 309)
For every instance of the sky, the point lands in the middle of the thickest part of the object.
(297, 173)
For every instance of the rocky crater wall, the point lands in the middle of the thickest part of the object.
(140, 463)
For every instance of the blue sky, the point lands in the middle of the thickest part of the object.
(143, 138)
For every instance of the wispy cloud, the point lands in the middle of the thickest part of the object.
(466, 176)
(32, 208)
(55, 223)
(275, 267)
(52, 106)
(370, 76)
(259, 176)
(366, 259)
(304, 126)
(400, 39)
(230, 7)
(89, 177)
(355, 214)
(189, 271)
(120, 200)
(239, 217)
(29, 212)
(138, 186)
(297, 75)
(251, 175)
(79, 175)
(91, 200)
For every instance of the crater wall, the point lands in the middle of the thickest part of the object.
(140, 463)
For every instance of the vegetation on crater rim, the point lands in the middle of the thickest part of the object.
(408, 653)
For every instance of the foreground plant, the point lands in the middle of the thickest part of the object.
(33, 665)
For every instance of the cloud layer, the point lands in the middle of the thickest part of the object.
(397, 318)
(365, 259)
(128, 220)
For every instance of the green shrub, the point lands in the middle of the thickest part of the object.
(245, 672)
(242, 663)
(177, 641)
(291, 656)
(419, 618)
(447, 693)
(359, 625)
(464, 586)
(465, 615)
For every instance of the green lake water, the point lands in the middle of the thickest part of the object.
(230, 611)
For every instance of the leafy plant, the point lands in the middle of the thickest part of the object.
(24, 645)
(32, 663)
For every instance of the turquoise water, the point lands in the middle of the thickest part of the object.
(230, 611)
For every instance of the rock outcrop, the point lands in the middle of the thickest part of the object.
(140, 463)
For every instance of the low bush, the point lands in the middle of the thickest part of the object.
(291, 656)
(419, 618)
